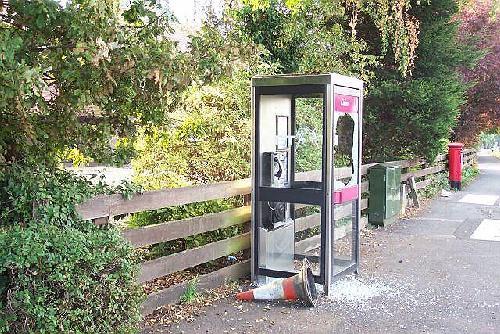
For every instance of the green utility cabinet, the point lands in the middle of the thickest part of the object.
(384, 203)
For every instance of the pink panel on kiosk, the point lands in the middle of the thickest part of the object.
(345, 195)
(346, 103)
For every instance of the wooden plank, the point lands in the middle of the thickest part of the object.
(401, 163)
(172, 230)
(304, 223)
(423, 184)
(171, 295)
(364, 203)
(413, 194)
(312, 175)
(422, 172)
(315, 175)
(345, 172)
(469, 163)
(101, 221)
(364, 168)
(301, 206)
(306, 245)
(192, 257)
(342, 211)
(112, 205)
(365, 185)
(469, 151)
(363, 222)
(406, 163)
(469, 160)
(342, 172)
(211, 280)
(441, 157)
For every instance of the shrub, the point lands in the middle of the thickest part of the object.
(469, 174)
(59, 274)
(210, 142)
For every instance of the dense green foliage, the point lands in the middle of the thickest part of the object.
(81, 74)
(309, 135)
(59, 274)
(209, 141)
(311, 38)
(408, 117)
(321, 35)
(76, 75)
(405, 115)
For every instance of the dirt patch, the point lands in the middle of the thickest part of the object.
(171, 314)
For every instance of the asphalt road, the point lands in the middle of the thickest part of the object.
(420, 275)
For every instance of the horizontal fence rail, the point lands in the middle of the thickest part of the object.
(192, 257)
(102, 208)
(176, 229)
(113, 205)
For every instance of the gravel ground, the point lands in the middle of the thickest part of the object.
(420, 275)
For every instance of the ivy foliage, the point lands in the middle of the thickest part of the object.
(59, 274)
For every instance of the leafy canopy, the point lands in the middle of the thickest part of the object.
(414, 117)
(76, 75)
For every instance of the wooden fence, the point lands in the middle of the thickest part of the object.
(101, 208)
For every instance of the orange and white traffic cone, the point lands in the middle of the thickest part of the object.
(298, 287)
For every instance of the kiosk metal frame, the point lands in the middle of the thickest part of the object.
(339, 94)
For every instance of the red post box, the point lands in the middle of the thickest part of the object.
(455, 165)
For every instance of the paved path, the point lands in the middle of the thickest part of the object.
(421, 275)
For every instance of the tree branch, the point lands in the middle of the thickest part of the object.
(9, 20)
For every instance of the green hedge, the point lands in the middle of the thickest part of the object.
(59, 274)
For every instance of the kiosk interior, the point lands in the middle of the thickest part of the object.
(306, 175)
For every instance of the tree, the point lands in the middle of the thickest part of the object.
(479, 27)
(76, 75)
(407, 53)
(210, 138)
(414, 116)
(317, 35)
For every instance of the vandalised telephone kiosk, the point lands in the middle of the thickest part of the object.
(306, 175)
